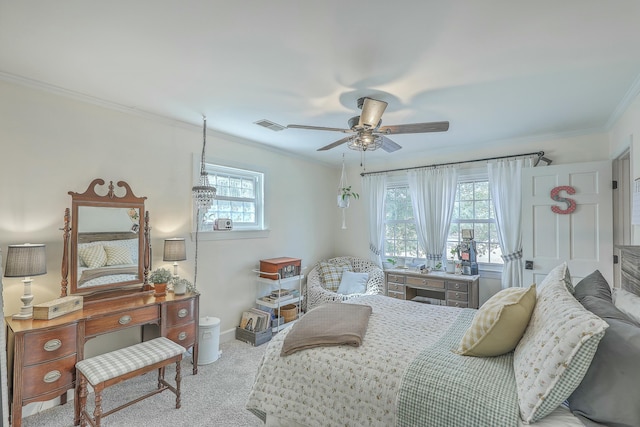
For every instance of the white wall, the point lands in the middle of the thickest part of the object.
(53, 144)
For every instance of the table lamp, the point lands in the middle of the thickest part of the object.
(25, 261)
(174, 250)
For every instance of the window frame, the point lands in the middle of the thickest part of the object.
(464, 176)
(259, 229)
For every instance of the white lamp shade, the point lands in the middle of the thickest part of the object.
(26, 260)
(174, 250)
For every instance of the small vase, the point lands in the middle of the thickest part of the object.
(180, 289)
(344, 202)
(159, 289)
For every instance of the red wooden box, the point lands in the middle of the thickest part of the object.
(287, 267)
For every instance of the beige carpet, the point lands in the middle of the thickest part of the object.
(214, 397)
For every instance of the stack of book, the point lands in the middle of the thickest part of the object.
(279, 296)
(255, 320)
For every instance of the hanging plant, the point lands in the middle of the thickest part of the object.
(344, 196)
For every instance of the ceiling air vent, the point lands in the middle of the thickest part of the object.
(270, 125)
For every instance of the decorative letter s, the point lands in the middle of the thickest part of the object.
(571, 204)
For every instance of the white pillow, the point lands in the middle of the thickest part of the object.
(627, 303)
(560, 273)
(555, 351)
(353, 283)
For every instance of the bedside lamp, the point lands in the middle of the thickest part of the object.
(174, 250)
(25, 261)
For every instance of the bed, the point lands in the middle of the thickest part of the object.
(105, 258)
(408, 370)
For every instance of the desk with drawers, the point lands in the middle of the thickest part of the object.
(42, 354)
(454, 290)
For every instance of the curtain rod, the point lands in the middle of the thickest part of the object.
(540, 154)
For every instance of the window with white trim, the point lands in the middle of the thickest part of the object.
(473, 209)
(240, 197)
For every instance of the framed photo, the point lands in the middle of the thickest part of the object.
(467, 234)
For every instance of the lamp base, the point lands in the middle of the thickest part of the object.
(25, 313)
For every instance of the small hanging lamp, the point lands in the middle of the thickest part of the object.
(203, 193)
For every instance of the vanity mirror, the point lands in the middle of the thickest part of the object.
(109, 245)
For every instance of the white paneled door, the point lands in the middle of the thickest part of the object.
(567, 216)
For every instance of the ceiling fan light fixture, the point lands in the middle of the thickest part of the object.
(372, 110)
(365, 142)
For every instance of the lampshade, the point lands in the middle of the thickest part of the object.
(26, 260)
(174, 250)
(365, 141)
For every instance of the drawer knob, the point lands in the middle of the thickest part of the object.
(457, 285)
(457, 294)
(52, 376)
(182, 336)
(124, 319)
(183, 312)
(52, 345)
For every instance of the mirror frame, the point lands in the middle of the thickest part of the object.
(91, 198)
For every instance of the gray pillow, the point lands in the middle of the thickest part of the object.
(609, 393)
(595, 285)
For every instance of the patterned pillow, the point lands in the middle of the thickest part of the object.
(555, 351)
(500, 323)
(93, 256)
(559, 273)
(331, 273)
(117, 255)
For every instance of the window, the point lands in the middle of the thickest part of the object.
(473, 209)
(239, 197)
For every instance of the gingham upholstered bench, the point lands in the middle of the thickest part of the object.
(114, 367)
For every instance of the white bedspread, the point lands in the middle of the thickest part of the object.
(333, 385)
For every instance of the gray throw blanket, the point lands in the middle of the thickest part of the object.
(328, 324)
(442, 388)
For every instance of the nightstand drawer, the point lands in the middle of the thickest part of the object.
(49, 345)
(458, 286)
(395, 278)
(398, 295)
(395, 287)
(181, 312)
(46, 377)
(122, 320)
(185, 335)
(424, 282)
(460, 304)
(457, 296)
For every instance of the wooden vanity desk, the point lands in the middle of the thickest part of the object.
(42, 354)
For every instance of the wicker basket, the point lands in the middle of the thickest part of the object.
(289, 312)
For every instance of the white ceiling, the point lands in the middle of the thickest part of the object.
(496, 70)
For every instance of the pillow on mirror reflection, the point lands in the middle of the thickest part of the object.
(118, 255)
(93, 256)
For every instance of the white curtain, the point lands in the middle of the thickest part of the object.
(505, 180)
(374, 187)
(433, 193)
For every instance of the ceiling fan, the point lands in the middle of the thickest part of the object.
(367, 135)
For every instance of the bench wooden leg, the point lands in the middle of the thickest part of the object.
(82, 400)
(178, 379)
(97, 412)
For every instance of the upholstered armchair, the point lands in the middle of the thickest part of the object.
(324, 280)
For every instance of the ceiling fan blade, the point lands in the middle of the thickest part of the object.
(372, 110)
(335, 144)
(415, 128)
(317, 128)
(388, 145)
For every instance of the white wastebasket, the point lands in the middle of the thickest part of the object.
(209, 345)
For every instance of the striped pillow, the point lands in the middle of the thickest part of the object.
(499, 323)
(93, 256)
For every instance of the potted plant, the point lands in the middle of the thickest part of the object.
(181, 286)
(451, 262)
(389, 262)
(160, 277)
(344, 196)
